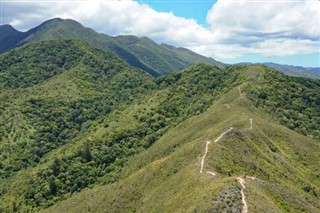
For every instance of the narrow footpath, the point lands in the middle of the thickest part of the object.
(241, 180)
(244, 202)
(206, 150)
(204, 156)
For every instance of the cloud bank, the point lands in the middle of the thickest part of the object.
(235, 28)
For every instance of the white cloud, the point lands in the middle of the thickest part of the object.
(287, 18)
(276, 28)
(16, 22)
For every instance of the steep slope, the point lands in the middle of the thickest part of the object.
(203, 165)
(9, 37)
(294, 102)
(169, 183)
(163, 58)
(142, 53)
(45, 109)
(32, 64)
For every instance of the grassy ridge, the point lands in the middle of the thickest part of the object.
(166, 178)
(99, 121)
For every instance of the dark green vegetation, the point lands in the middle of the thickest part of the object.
(79, 124)
(62, 87)
(142, 53)
(56, 92)
(294, 102)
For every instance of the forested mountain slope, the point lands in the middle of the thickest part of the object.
(74, 117)
(142, 53)
(51, 92)
(63, 101)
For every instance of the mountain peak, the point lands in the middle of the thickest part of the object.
(55, 22)
(9, 36)
(60, 20)
(6, 27)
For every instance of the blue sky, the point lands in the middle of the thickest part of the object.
(286, 32)
(184, 8)
(198, 10)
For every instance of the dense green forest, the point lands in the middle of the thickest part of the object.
(72, 115)
(33, 125)
(293, 101)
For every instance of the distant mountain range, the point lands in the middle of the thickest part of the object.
(290, 70)
(143, 53)
(156, 59)
(298, 71)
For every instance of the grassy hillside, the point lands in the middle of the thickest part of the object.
(166, 177)
(142, 53)
(87, 128)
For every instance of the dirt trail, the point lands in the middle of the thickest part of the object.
(242, 181)
(245, 206)
(251, 123)
(239, 179)
(211, 173)
(204, 156)
(252, 178)
(223, 134)
(206, 150)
